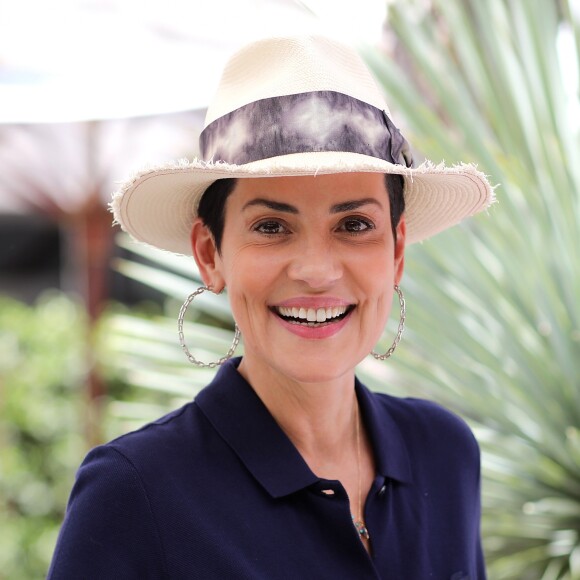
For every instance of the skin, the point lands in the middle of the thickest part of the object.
(316, 241)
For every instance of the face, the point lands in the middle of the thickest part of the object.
(309, 264)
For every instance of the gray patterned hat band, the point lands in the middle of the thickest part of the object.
(304, 122)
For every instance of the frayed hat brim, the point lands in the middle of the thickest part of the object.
(158, 205)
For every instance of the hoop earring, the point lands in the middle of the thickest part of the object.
(189, 356)
(399, 330)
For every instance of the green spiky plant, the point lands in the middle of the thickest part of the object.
(493, 325)
(495, 305)
(142, 350)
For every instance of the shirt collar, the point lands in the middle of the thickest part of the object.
(243, 421)
(392, 458)
(239, 416)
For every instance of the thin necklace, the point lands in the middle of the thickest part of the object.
(359, 523)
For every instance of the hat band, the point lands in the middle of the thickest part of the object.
(304, 122)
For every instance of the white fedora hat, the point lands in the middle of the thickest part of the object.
(289, 106)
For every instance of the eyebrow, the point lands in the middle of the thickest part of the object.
(287, 208)
(355, 204)
(275, 205)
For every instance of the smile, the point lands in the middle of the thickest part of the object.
(312, 316)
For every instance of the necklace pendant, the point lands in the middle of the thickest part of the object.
(361, 529)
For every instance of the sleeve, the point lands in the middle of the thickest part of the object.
(464, 452)
(454, 460)
(467, 457)
(109, 530)
(479, 557)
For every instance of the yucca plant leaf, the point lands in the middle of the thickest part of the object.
(494, 305)
(172, 275)
(144, 351)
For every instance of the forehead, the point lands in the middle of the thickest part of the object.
(320, 188)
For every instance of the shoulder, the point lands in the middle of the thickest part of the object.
(146, 458)
(108, 523)
(116, 467)
(112, 517)
(430, 430)
(105, 475)
(423, 416)
(161, 438)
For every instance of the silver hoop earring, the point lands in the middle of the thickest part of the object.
(399, 330)
(189, 356)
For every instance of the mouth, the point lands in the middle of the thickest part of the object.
(312, 316)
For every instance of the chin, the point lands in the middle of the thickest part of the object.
(317, 369)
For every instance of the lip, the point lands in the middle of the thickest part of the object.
(312, 302)
(325, 330)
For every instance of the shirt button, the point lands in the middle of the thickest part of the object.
(383, 490)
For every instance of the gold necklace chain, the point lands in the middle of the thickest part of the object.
(359, 523)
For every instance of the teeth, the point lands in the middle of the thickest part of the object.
(312, 314)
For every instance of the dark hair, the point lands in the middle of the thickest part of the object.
(212, 206)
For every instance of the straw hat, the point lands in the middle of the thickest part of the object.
(303, 105)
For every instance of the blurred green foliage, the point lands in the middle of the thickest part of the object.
(146, 371)
(42, 368)
(138, 388)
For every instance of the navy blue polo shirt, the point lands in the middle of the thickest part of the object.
(217, 490)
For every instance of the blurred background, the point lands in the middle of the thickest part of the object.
(91, 90)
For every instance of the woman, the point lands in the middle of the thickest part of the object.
(285, 466)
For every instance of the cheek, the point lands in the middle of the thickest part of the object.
(375, 269)
(374, 275)
(246, 267)
(248, 281)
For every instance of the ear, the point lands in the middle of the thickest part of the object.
(206, 256)
(400, 249)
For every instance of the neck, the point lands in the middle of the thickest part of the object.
(317, 417)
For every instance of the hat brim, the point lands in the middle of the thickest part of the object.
(158, 205)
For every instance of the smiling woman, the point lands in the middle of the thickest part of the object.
(286, 466)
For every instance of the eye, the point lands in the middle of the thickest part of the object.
(356, 225)
(270, 228)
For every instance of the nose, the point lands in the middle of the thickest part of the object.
(316, 264)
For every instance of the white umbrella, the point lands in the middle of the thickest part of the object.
(70, 61)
